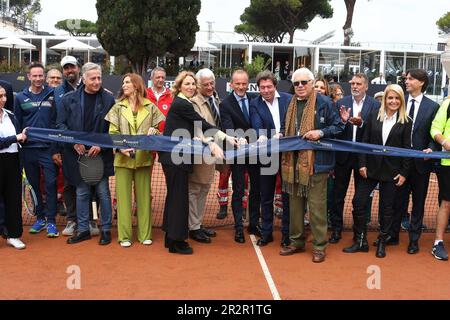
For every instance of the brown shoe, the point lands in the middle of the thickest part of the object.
(318, 255)
(290, 250)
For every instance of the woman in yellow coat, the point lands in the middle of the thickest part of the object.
(133, 114)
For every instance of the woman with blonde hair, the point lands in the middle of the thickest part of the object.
(133, 114)
(388, 126)
(180, 120)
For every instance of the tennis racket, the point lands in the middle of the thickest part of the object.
(29, 198)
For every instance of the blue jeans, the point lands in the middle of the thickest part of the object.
(84, 196)
(34, 160)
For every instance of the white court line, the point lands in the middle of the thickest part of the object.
(265, 269)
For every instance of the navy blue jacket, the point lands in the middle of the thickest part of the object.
(33, 111)
(260, 115)
(61, 90)
(369, 105)
(328, 120)
(421, 138)
(70, 118)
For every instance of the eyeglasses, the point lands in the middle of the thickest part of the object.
(55, 78)
(303, 82)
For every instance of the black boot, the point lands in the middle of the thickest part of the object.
(181, 247)
(222, 212)
(381, 248)
(360, 245)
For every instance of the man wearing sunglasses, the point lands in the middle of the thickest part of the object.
(353, 109)
(309, 116)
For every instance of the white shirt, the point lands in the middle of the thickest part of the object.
(157, 94)
(388, 123)
(275, 111)
(356, 109)
(7, 129)
(417, 102)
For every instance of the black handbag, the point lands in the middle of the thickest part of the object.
(91, 169)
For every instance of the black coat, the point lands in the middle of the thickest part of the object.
(385, 168)
(70, 118)
(181, 116)
(369, 105)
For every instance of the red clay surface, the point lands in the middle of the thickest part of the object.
(220, 270)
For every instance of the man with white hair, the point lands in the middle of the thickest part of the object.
(206, 103)
(305, 172)
(85, 110)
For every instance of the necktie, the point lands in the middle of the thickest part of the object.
(245, 109)
(214, 112)
(411, 110)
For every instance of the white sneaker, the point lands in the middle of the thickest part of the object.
(16, 243)
(147, 242)
(125, 244)
(93, 228)
(70, 228)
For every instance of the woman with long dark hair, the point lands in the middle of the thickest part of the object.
(10, 175)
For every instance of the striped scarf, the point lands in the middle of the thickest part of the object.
(304, 168)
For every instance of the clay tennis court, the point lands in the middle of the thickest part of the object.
(223, 270)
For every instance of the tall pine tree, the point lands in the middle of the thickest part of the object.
(141, 30)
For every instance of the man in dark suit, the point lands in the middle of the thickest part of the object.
(267, 114)
(235, 118)
(9, 94)
(422, 111)
(356, 108)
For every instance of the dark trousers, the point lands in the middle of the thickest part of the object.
(268, 183)
(238, 178)
(34, 159)
(342, 180)
(70, 199)
(361, 199)
(176, 207)
(417, 185)
(11, 193)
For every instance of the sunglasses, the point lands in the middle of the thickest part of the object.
(303, 82)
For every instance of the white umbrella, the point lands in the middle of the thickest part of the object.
(13, 42)
(201, 45)
(72, 45)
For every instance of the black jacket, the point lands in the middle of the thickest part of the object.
(181, 116)
(385, 168)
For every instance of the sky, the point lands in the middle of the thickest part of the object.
(374, 21)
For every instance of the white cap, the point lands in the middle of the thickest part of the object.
(69, 60)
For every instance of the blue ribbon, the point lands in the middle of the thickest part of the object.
(176, 144)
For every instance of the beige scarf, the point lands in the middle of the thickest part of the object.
(304, 168)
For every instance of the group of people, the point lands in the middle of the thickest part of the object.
(314, 111)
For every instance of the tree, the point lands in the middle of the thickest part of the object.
(24, 10)
(77, 27)
(444, 23)
(143, 30)
(271, 20)
(348, 32)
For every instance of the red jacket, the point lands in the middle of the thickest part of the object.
(163, 104)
